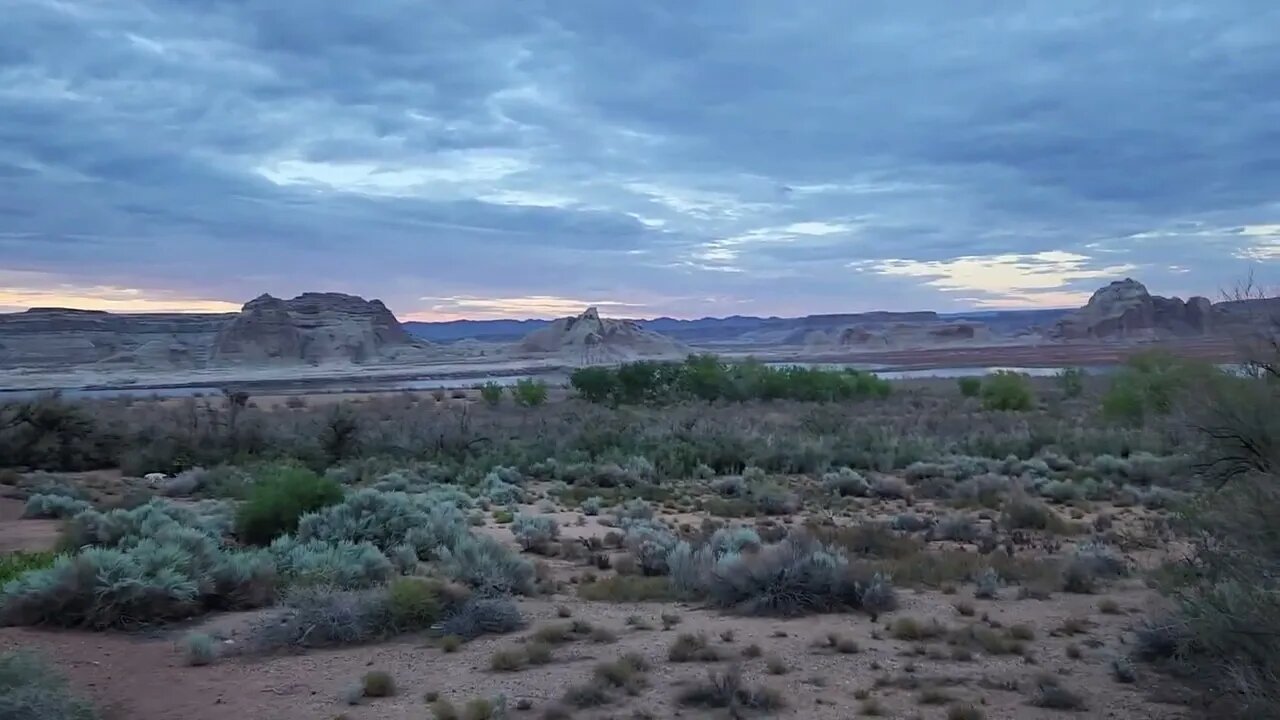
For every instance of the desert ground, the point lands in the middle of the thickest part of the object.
(925, 550)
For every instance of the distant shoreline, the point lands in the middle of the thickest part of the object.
(456, 375)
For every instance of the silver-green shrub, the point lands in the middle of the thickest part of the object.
(31, 690)
(54, 506)
(535, 533)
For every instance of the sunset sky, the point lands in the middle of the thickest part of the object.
(491, 158)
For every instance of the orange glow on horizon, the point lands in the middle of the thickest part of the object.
(119, 300)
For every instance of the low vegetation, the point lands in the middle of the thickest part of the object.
(738, 490)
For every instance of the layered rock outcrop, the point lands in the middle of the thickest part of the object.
(588, 338)
(63, 338)
(1125, 309)
(313, 328)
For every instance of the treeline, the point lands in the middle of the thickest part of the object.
(706, 377)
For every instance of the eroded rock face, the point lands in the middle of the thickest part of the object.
(312, 328)
(1124, 309)
(589, 338)
(63, 338)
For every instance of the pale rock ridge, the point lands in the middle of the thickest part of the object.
(588, 338)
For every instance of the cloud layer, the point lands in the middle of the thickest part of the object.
(482, 158)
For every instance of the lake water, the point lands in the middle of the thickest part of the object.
(345, 386)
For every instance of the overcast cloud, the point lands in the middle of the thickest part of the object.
(498, 158)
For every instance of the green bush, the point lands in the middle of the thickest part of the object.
(13, 565)
(279, 499)
(1226, 631)
(529, 392)
(705, 377)
(1151, 384)
(594, 384)
(1071, 380)
(1007, 390)
(969, 386)
(491, 393)
(416, 602)
(31, 690)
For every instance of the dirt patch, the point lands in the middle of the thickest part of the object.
(29, 535)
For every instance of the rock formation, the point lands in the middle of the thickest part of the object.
(1125, 310)
(313, 328)
(900, 335)
(588, 338)
(62, 338)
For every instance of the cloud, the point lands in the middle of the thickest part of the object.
(534, 306)
(731, 156)
(21, 291)
(1007, 280)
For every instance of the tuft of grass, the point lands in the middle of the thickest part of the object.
(965, 711)
(199, 649)
(752, 651)
(563, 611)
(507, 660)
(480, 709)
(965, 609)
(692, 648)
(1107, 606)
(1123, 671)
(727, 690)
(628, 589)
(450, 643)
(378, 684)
(556, 712)
(842, 644)
(554, 634)
(603, 636)
(444, 710)
(1073, 651)
(1022, 632)
(775, 665)
(872, 707)
(1052, 695)
(669, 620)
(913, 630)
(537, 653)
(1074, 625)
(587, 695)
(627, 673)
(638, 622)
(934, 696)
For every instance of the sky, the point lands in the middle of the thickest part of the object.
(491, 158)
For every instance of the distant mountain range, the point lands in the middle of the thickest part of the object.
(734, 327)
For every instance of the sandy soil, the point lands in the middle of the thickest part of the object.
(142, 676)
(17, 534)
